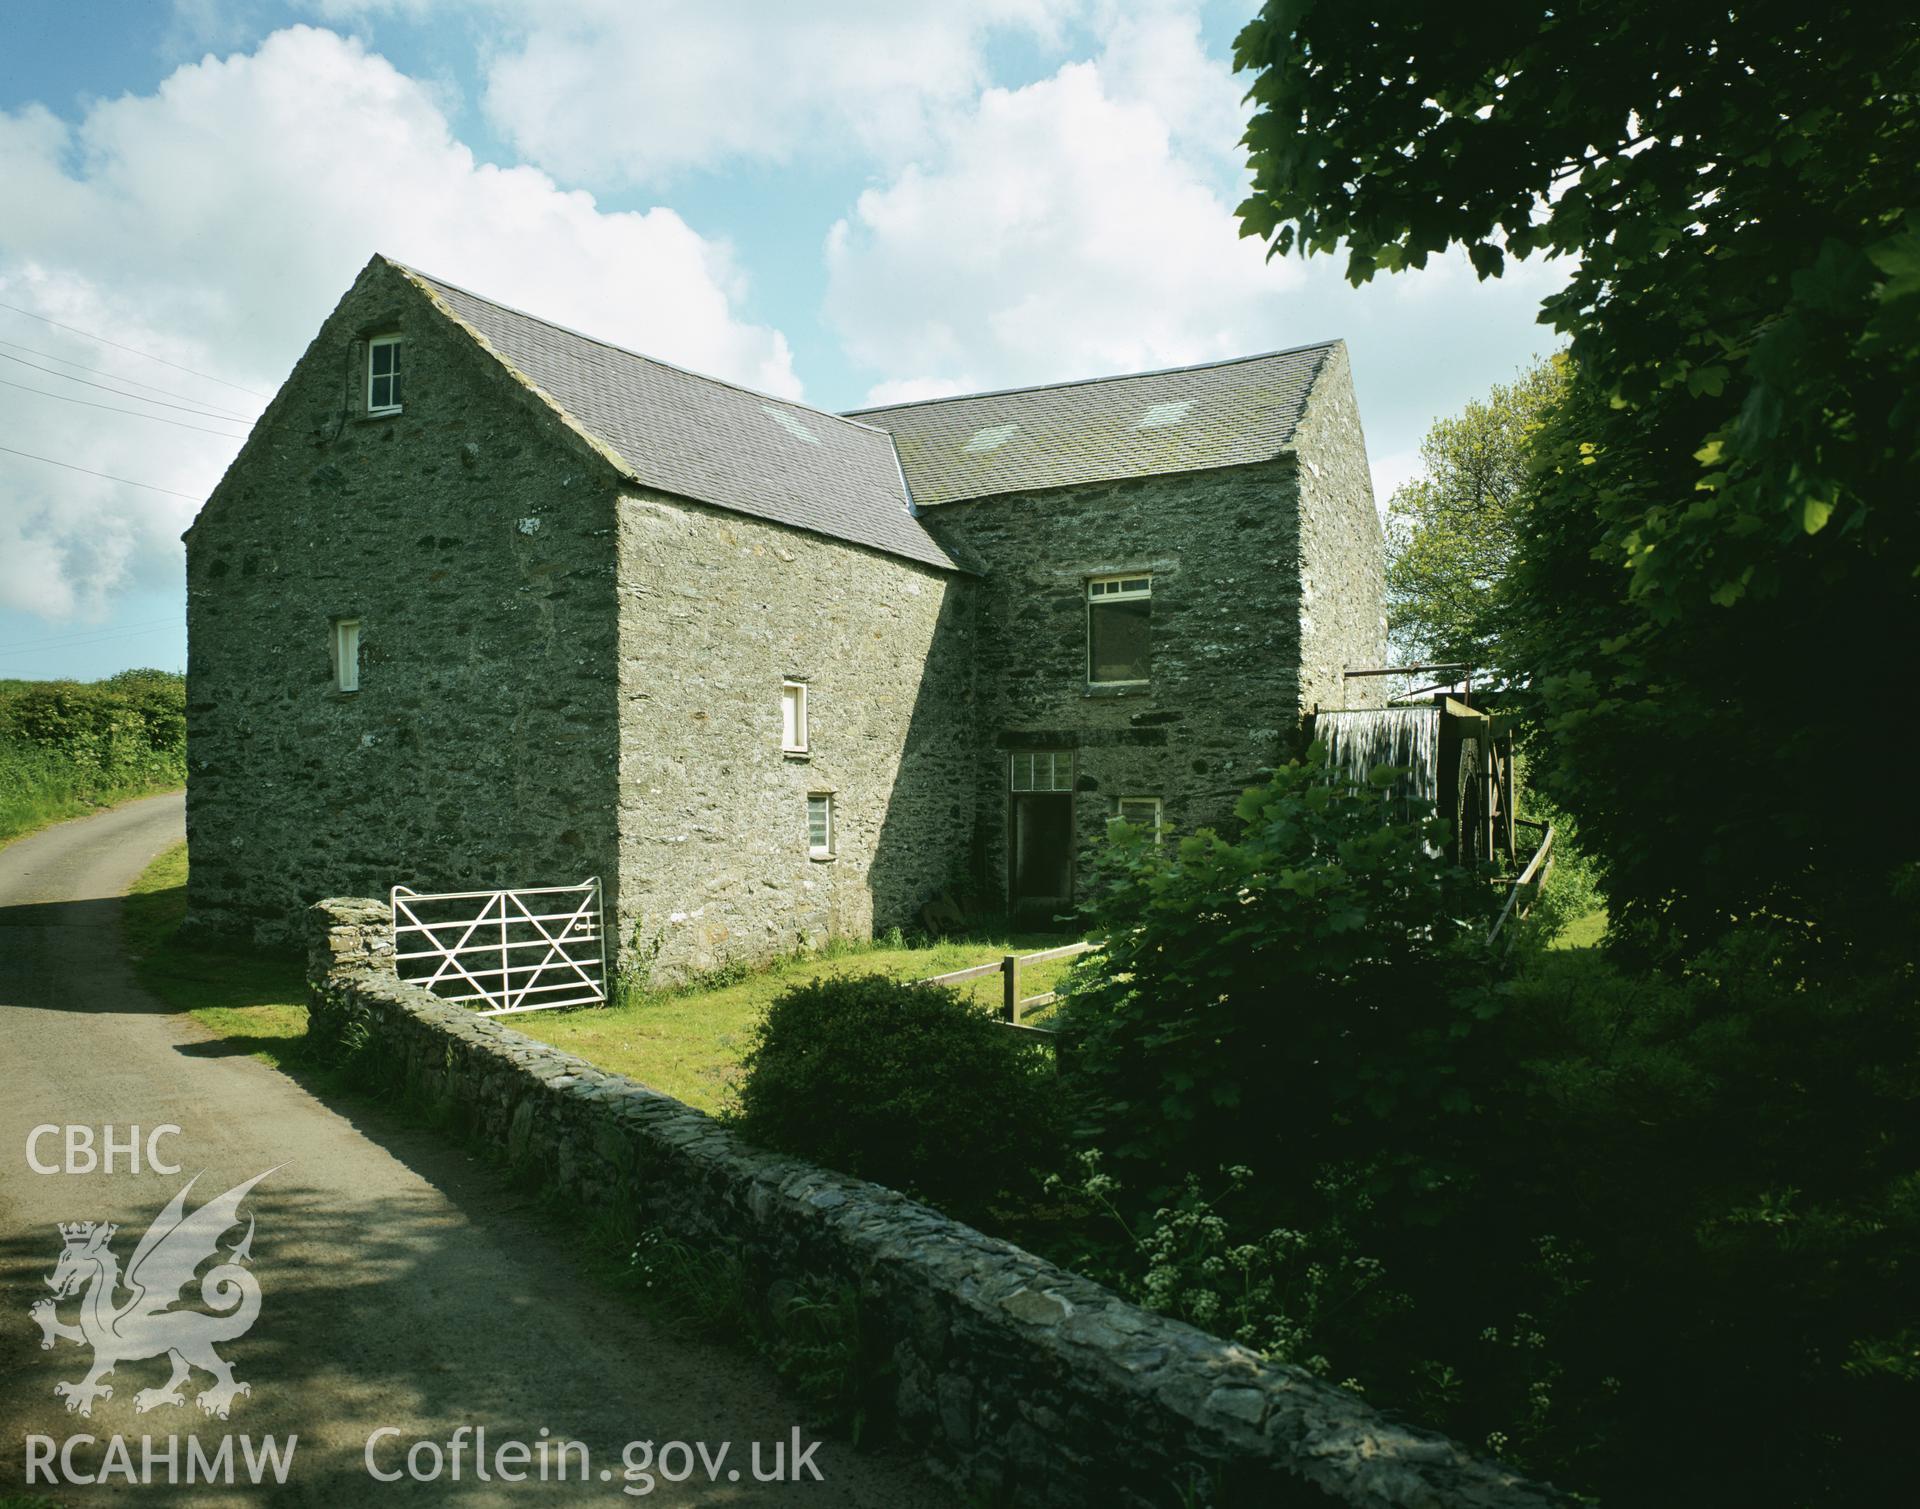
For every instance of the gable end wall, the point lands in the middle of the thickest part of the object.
(1343, 623)
(474, 540)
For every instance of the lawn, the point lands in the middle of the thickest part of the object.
(689, 1043)
(1583, 932)
(686, 1043)
(256, 1000)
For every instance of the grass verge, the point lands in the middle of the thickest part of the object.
(254, 1000)
(37, 791)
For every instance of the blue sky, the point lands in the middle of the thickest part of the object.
(848, 202)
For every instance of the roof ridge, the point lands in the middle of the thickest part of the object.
(1083, 382)
(724, 382)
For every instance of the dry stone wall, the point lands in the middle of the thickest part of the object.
(1020, 1381)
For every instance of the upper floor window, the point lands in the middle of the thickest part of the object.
(793, 717)
(1119, 615)
(383, 375)
(346, 654)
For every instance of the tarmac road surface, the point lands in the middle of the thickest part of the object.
(403, 1286)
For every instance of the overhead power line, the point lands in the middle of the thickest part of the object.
(128, 481)
(134, 350)
(68, 377)
(84, 637)
(131, 382)
(115, 409)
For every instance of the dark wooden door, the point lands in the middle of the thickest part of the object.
(1041, 861)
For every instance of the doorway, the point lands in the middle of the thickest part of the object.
(1040, 865)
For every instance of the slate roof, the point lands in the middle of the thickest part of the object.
(1225, 413)
(709, 440)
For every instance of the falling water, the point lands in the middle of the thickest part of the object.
(1360, 739)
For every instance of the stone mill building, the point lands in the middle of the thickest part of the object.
(485, 601)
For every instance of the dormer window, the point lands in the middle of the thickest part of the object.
(383, 375)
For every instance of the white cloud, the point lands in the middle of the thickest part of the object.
(1080, 224)
(919, 389)
(1084, 224)
(607, 91)
(216, 221)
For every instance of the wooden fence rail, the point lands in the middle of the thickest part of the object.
(1531, 880)
(1012, 1003)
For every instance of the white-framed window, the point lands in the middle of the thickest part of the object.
(383, 375)
(1119, 624)
(1139, 812)
(793, 717)
(1042, 770)
(346, 654)
(820, 824)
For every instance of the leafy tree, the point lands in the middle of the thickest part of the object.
(1450, 532)
(1722, 540)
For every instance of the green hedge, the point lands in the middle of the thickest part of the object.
(67, 747)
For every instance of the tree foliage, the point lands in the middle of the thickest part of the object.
(1721, 540)
(1650, 1235)
(1281, 997)
(1450, 531)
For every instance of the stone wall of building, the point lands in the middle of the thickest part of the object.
(1019, 1381)
(1343, 624)
(717, 611)
(473, 540)
(1222, 702)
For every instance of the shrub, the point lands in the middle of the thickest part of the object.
(913, 1087)
(1286, 1000)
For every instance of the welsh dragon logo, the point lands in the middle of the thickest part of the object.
(145, 1324)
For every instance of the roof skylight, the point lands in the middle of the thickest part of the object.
(1164, 414)
(993, 435)
(790, 424)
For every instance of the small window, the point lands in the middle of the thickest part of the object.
(1119, 614)
(346, 654)
(383, 375)
(820, 825)
(1140, 812)
(1042, 770)
(793, 717)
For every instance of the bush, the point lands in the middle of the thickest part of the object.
(1285, 1000)
(913, 1087)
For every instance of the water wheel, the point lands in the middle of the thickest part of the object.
(1468, 797)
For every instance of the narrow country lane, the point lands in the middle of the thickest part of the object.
(402, 1284)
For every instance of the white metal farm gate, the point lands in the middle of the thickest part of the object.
(527, 950)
